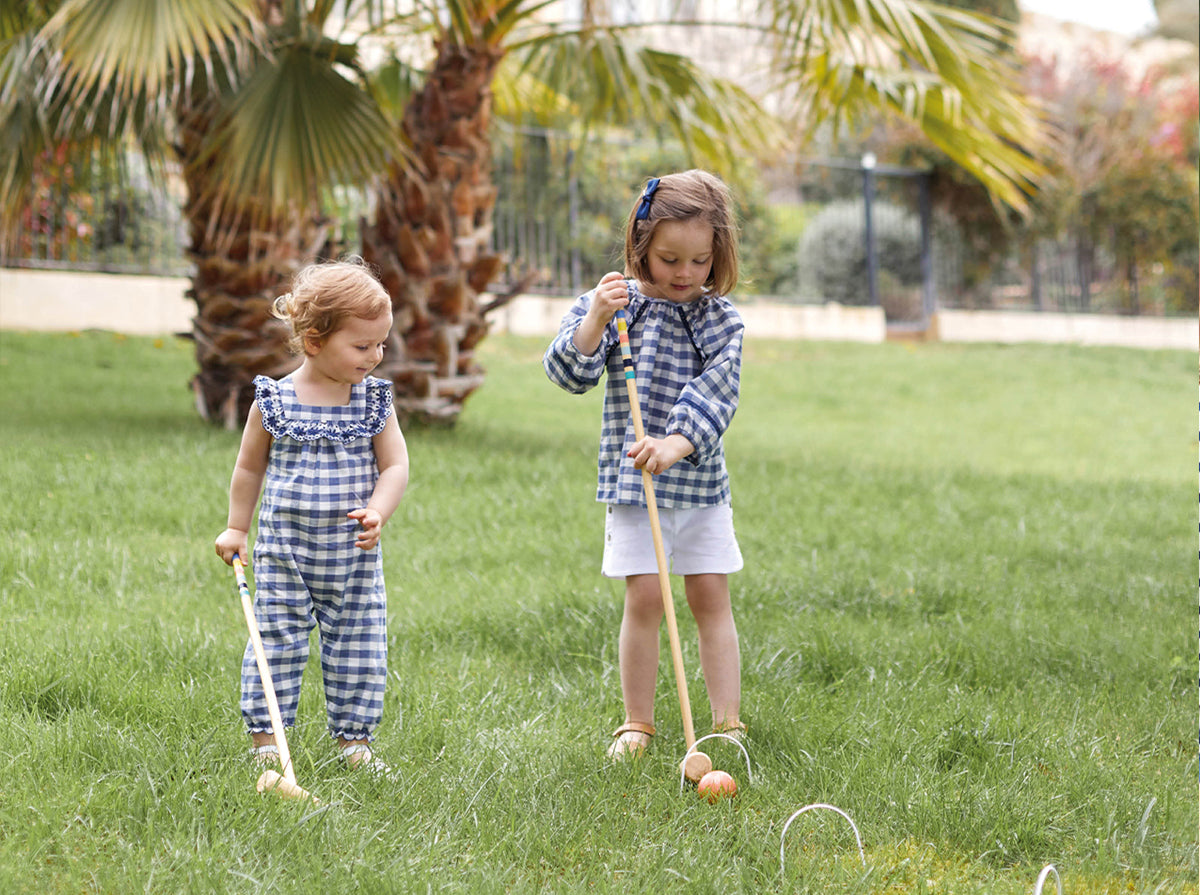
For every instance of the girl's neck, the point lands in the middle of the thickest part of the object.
(649, 290)
(317, 390)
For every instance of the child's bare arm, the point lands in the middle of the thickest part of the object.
(391, 456)
(244, 487)
(610, 295)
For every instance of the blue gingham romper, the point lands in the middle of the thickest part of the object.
(307, 571)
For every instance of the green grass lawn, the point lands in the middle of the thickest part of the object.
(968, 619)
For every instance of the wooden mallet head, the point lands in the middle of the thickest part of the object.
(695, 765)
(273, 781)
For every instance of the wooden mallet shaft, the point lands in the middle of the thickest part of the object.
(695, 764)
(264, 672)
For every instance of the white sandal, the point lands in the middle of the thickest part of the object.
(265, 756)
(360, 756)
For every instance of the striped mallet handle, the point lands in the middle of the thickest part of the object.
(664, 577)
(264, 671)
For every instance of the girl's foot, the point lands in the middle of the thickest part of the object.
(735, 729)
(265, 757)
(360, 757)
(630, 740)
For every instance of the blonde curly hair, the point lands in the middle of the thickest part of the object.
(324, 294)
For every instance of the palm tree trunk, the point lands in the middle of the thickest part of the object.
(242, 264)
(431, 236)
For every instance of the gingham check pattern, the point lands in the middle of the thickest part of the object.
(307, 570)
(688, 359)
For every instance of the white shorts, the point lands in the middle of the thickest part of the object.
(697, 541)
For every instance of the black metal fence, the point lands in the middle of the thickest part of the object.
(114, 216)
(868, 234)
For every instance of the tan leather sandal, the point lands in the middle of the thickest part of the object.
(630, 740)
(734, 728)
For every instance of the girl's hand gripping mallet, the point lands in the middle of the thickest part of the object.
(284, 784)
(695, 764)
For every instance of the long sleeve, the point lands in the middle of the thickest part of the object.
(687, 359)
(707, 403)
(565, 365)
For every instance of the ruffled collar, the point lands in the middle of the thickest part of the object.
(284, 416)
(690, 310)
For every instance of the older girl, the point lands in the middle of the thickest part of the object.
(680, 263)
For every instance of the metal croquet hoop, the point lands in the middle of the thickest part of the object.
(857, 838)
(1047, 871)
(695, 748)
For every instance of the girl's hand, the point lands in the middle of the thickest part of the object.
(609, 296)
(372, 525)
(232, 541)
(657, 455)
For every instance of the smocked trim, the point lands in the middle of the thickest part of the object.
(279, 425)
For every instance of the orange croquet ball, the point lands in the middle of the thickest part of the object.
(716, 785)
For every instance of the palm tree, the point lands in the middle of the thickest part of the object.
(266, 111)
(431, 234)
(233, 83)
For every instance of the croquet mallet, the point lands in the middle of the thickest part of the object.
(269, 780)
(695, 764)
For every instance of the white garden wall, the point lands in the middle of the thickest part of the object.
(146, 305)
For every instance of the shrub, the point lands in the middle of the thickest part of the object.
(832, 252)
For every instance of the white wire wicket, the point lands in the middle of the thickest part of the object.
(1047, 872)
(815, 806)
(724, 736)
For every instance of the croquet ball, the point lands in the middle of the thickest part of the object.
(716, 785)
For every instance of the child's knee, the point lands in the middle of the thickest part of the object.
(642, 597)
(707, 591)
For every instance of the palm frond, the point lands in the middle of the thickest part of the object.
(393, 83)
(160, 42)
(295, 126)
(948, 71)
(607, 76)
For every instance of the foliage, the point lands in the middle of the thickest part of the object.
(1008, 10)
(949, 57)
(832, 250)
(1125, 173)
(1120, 190)
(934, 563)
(534, 203)
(100, 212)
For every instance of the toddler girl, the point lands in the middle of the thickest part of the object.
(327, 443)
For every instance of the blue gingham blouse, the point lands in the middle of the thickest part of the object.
(688, 359)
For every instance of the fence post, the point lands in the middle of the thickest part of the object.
(573, 221)
(868, 175)
(928, 287)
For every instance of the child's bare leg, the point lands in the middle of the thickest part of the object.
(261, 739)
(638, 646)
(720, 659)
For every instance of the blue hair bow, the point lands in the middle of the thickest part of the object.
(643, 211)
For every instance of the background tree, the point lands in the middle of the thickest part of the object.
(230, 89)
(265, 110)
(1125, 176)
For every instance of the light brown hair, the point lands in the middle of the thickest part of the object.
(324, 294)
(686, 196)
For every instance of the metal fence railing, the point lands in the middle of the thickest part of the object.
(869, 235)
(113, 216)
